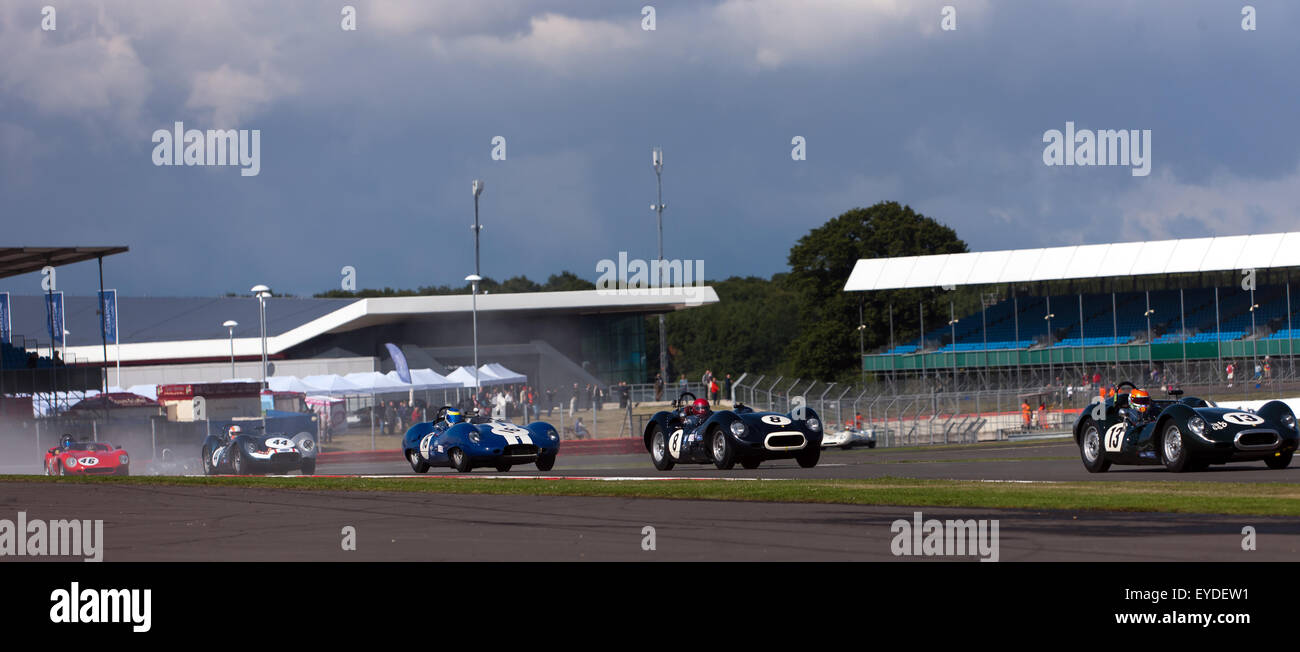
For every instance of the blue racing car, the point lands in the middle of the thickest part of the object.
(466, 441)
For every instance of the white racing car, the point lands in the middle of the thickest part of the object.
(848, 437)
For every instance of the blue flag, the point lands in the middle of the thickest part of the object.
(399, 361)
(5, 335)
(54, 316)
(108, 315)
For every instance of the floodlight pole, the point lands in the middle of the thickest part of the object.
(474, 280)
(262, 293)
(230, 326)
(657, 157)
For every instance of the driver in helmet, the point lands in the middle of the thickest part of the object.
(1139, 408)
(452, 417)
(696, 413)
(234, 431)
(65, 442)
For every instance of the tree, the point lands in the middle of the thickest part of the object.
(820, 264)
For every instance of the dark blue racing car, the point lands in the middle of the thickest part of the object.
(466, 441)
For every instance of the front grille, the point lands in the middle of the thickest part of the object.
(99, 469)
(1257, 439)
(520, 450)
(784, 440)
(285, 458)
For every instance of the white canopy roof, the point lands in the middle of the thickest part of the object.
(1217, 254)
(465, 376)
(423, 379)
(334, 384)
(499, 371)
(373, 382)
(291, 384)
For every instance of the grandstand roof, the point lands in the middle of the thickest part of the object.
(1216, 254)
(24, 260)
(160, 329)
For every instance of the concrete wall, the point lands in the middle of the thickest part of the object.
(211, 372)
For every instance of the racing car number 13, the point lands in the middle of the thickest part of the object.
(1115, 437)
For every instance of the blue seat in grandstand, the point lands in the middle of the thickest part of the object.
(1285, 334)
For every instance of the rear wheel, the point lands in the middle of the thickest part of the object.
(237, 461)
(1172, 451)
(460, 461)
(207, 463)
(659, 450)
(1090, 449)
(871, 444)
(418, 465)
(545, 463)
(123, 470)
(309, 467)
(750, 463)
(1279, 461)
(724, 454)
(502, 468)
(809, 457)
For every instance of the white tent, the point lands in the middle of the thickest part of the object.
(465, 376)
(142, 390)
(373, 382)
(426, 379)
(499, 371)
(334, 384)
(291, 384)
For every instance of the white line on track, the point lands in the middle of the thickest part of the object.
(599, 478)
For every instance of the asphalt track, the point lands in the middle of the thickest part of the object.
(1051, 461)
(181, 523)
(143, 523)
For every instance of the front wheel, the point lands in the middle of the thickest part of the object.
(207, 463)
(123, 470)
(1090, 449)
(871, 444)
(659, 450)
(418, 465)
(809, 457)
(1172, 451)
(460, 461)
(750, 463)
(502, 468)
(237, 462)
(1278, 462)
(309, 467)
(724, 454)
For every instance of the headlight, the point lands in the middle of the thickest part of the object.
(72, 461)
(814, 424)
(1288, 420)
(124, 459)
(307, 444)
(553, 435)
(1197, 426)
(738, 428)
(473, 436)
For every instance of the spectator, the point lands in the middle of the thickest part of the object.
(1026, 413)
(1268, 369)
(1231, 370)
(573, 401)
(726, 390)
(659, 387)
(1096, 380)
(706, 379)
(580, 431)
(550, 402)
(713, 390)
(1042, 415)
(682, 385)
(623, 395)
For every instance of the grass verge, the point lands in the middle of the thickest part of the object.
(1276, 499)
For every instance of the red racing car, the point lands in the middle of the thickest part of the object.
(86, 458)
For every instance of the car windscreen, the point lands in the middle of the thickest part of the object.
(91, 447)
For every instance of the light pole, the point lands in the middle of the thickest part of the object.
(657, 157)
(478, 190)
(1150, 358)
(862, 329)
(1049, 317)
(474, 281)
(230, 325)
(262, 293)
(952, 326)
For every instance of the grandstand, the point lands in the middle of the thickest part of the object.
(1177, 306)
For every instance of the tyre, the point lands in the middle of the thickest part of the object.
(724, 454)
(1172, 451)
(1279, 462)
(418, 465)
(49, 470)
(309, 467)
(61, 470)
(1090, 449)
(809, 457)
(460, 461)
(545, 463)
(208, 469)
(871, 444)
(750, 463)
(123, 470)
(659, 450)
(237, 461)
(502, 467)
(1198, 466)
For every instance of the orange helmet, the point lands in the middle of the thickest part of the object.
(1139, 400)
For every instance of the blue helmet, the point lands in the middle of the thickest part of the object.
(453, 416)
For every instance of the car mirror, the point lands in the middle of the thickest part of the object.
(118, 447)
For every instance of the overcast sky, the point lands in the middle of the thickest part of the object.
(370, 138)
